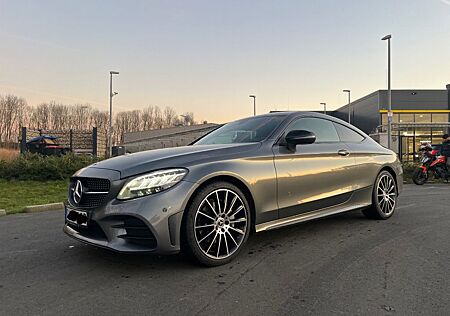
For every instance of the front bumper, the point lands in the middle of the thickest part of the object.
(146, 224)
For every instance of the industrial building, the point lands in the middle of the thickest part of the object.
(418, 116)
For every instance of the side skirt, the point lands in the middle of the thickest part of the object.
(359, 200)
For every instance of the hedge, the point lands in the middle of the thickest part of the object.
(38, 167)
(408, 170)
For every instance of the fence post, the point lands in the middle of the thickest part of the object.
(71, 140)
(94, 141)
(23, 141)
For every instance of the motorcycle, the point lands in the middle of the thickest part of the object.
(431, 163)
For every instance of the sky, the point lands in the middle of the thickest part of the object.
(208, 56)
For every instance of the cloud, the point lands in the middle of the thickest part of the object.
(52, 95)
(38, 41)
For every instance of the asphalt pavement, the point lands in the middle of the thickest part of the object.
(345, 264)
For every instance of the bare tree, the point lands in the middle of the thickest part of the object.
(15, 113)
(40, 116)
(59, 114)
(148, 119)
(80, 114)
(169, 116)
(12, 109)
(188, 118)
(100, 119)
(158, 118)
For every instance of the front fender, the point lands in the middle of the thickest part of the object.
(257, 174)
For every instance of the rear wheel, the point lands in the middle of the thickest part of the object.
(217, 224)
(384, 197)
(419, 176)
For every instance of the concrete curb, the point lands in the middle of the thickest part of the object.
(2, 212)
(44, 207)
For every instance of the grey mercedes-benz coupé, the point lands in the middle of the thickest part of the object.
(254, 174)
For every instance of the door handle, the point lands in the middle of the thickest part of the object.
(343, 152)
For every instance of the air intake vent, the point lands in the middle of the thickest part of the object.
(137, 232)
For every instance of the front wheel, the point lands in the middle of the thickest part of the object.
(419, 176)
(384, 197)
(217, 224)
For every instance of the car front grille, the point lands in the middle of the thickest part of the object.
(97, 184)
(93, 194)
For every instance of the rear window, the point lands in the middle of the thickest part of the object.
(348, 135)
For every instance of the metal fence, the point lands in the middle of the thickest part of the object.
(9, 145)
(91, 142)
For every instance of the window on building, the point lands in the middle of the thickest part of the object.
(440, 118)
(406, 118)
(395, 117)
(348, 135)
(384, 118)
(437, 133)
(423, 117)
(422, 131)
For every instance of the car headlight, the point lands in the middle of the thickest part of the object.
(151, 183)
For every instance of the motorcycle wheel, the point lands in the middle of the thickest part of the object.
(419, 177)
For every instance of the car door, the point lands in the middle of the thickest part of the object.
(314, 176)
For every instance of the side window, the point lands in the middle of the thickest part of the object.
(348, 135)
(323, 129)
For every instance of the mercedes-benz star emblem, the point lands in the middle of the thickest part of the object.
(77, 192)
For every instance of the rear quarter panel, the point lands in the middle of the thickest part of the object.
(370, 158)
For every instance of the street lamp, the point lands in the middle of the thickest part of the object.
(254, 103)
(388, 38)
(349, 110)
(111, 95)
(324, 107)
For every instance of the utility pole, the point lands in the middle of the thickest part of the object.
(389, 113)
(254, 104)
(111, 95)
(324, 107)
(349, 107)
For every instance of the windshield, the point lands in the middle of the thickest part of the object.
(249, 130)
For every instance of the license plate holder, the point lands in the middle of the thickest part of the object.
(77, 217)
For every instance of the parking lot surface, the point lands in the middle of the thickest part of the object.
(344, 264)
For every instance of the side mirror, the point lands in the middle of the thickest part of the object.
(299, 137)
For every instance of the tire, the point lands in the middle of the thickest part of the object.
(216, 225)
(419, 177)
(384, 197)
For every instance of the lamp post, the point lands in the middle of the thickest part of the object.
(254, 104)
(349, 109)
(389, 113)
(111, 95)
(324, 107)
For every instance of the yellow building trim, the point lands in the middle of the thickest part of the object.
(416, 111)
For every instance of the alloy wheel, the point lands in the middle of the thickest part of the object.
(386, 194)
(220, 223)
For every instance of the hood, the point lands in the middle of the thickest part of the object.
(146, 161)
